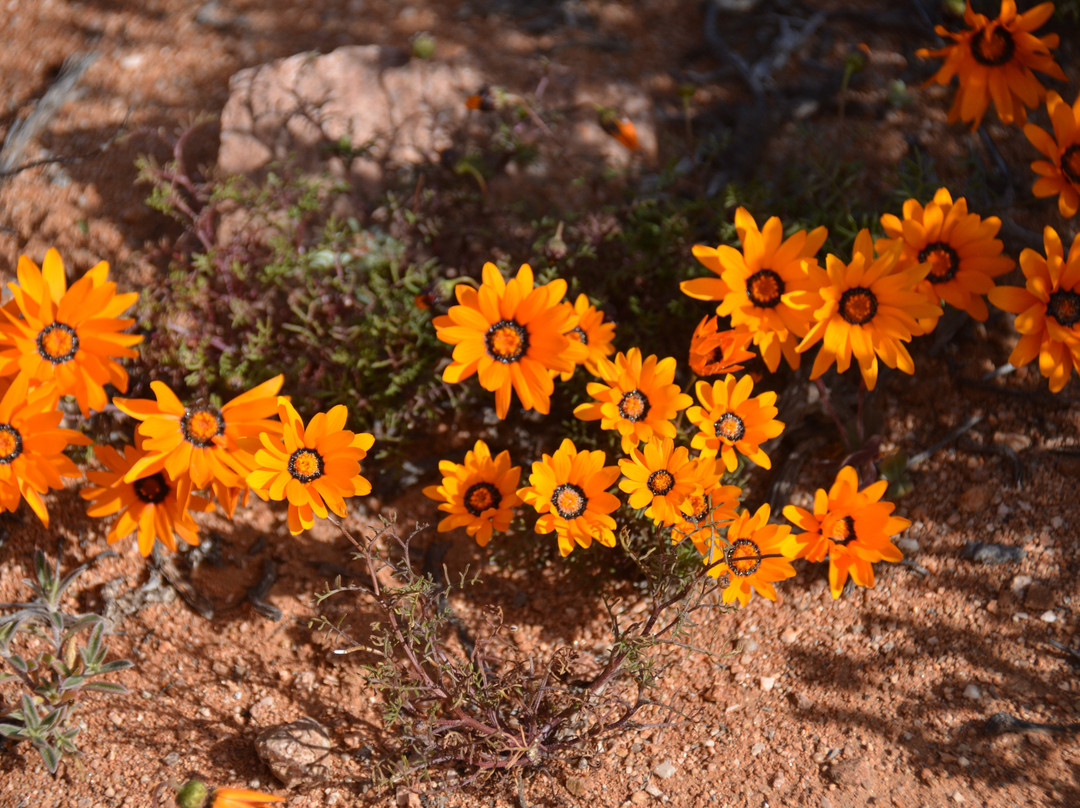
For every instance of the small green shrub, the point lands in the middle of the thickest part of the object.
(54, 663)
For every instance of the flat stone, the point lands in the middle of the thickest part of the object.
(294, 751)
(395, 109)
(989, 553)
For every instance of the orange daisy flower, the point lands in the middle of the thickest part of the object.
(770, 288)
(196, 794)
(569, 491)
(67, 337)
(211, 445)
(511, 335)
(154, 505)
(961, 248)
(869, 308)
(714, 352)
(702, 514)
(995, 60)
(620, 128)
(1060, 173)
(852, 527)
(1047, 309)
(315, 467)
(32, 444)
(592, 332)
(730, 421)
(480, 495)
(661, 477)
(752, 556)
(638, 397)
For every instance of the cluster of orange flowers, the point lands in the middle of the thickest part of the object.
(995, 60)
(57, 341)
(519, 339)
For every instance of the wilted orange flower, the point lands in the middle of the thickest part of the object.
(152, 505)
(714, 352)
(67, 337)
(479, 495)
(994, 61)
(961, 248)
(315, 467)
(703, 514)
(870, 307)
(512, 336)
(211, 445)
(770, 288)
(1047, 309)
(852, 527)
(636, 397)
(196, 794)
(592, 332)
(569, 490)
(660, 477)
(752, 556)
(32, 444)
(1060, 173)
(730, 421)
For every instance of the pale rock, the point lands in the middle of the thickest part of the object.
(665, 770)
(294, 752)
(400, 110)
(972, 692)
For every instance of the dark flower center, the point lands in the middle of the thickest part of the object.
(57, 343)
(152, 489)
(1070, 163)
(729, 427)
(306, 465)
(943, 261)
(743, 558)
(200, 427)
(843, 531)
(633, 406)
(1064, 306)
(993, 49)
(578, 332)
(569, 501)
(506, 341)
(765, 288)
(479, 497)
(10, 444)
(660, 482)
(858, 305)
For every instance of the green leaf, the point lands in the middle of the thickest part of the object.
(51, 756)
(105, 687)
(115, 665)
(18, 663)
(29, 714)
(73, 682)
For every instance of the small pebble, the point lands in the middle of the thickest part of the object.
(665, 770)
(989, 553)
(654, 790)
(1048, 617)
(768, 683)
(908, 545)
(972, 692)
(757, 749)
